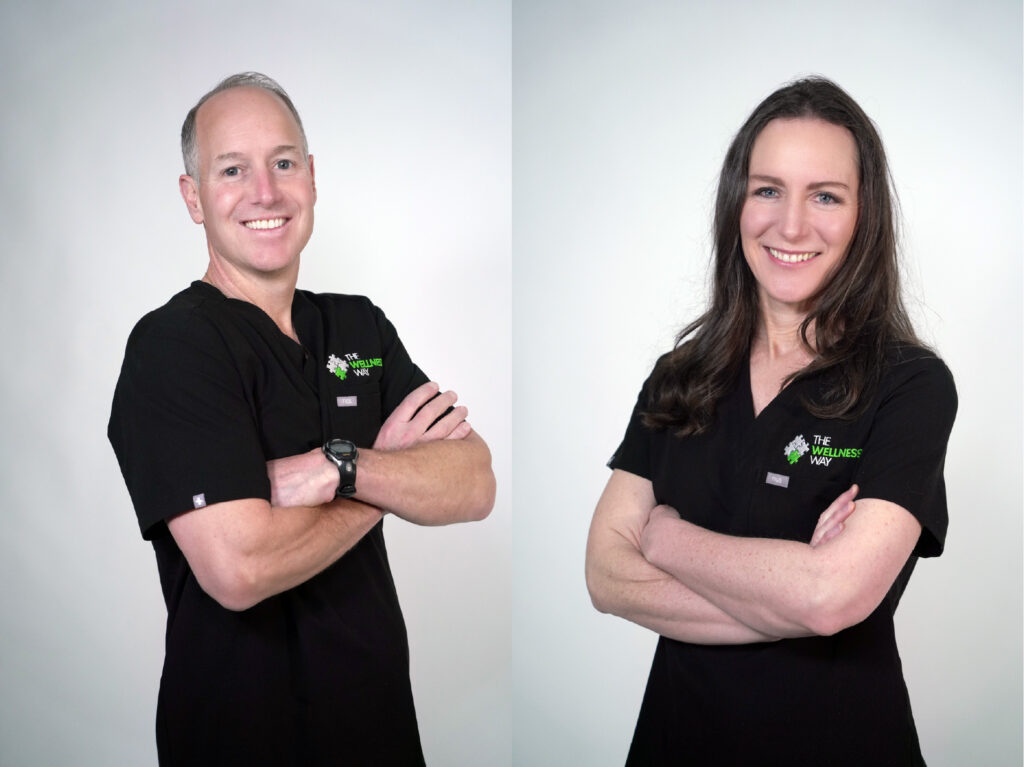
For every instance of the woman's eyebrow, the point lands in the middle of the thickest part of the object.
(765, 179)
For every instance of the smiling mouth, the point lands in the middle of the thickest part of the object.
(265, 223)
(791, 258)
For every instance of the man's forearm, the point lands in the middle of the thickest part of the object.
(431, 483)
(244, 551)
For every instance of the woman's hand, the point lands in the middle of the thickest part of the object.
(659, 516)
(830, 523)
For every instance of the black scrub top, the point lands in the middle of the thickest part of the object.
(209, 391)
(838, 700)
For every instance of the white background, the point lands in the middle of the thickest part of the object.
(406, 108)
(526, 189)
(621, 116)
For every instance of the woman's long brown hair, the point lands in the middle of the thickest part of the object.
(855, 316)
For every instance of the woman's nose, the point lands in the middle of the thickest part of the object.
(793, 225)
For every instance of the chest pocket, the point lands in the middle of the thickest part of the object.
(802, 472)
(354, 413)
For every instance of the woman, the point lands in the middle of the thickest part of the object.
(729, 524)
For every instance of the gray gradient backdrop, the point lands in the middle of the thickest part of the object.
(525, 187)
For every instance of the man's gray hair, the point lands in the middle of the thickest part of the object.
(189, 145)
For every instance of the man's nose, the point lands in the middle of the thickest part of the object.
(264, 187)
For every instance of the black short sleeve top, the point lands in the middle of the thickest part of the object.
(809, 700)
(210, 390)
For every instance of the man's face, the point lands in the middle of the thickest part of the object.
(256, 190)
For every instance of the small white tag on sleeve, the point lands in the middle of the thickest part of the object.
(198, 501)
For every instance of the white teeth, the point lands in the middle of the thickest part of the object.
(265, 223)
(791, 258)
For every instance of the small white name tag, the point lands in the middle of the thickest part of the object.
(779, 480)
(347, 401)
(198, 501)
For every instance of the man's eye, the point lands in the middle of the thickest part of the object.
(232, 171)
(284, 164)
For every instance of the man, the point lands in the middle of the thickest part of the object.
(263, 432)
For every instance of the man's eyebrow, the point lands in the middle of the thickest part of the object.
(240, 156)
(778, 182)
(228, 156)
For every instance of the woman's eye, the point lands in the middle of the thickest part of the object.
(766, 191)
(827, 198)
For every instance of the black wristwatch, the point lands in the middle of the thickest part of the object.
(344, 455)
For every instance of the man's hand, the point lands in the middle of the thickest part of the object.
(309, 479)
(830, 523)
(410, 423)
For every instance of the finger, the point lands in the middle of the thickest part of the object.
(665, 510)
(845, 497)
(433, 410)
(829, 534)
(830, 520)
(415, 400)
(461, 431)
(446, 424)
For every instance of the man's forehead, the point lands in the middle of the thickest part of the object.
(245, 109)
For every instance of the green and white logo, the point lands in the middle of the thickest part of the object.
(353, 363)
(822, 452)
(795, 449)
(337, 366)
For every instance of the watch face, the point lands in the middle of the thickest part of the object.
(342, 449)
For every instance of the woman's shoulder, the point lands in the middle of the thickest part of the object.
(903, 358)
(920, 368)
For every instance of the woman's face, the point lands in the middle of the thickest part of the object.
(800, 211)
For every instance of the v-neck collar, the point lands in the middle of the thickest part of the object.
(302, 344)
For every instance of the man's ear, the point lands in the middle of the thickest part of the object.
(190, 194)
(312, 177)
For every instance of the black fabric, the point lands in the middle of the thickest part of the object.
(837, 700)
(209, 391)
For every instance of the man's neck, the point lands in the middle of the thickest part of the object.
(272, 294)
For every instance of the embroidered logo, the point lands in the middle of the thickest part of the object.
(822, 451)
(353, 363)
(796, 449)
(337, 366)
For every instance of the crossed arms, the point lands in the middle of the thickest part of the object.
(244, 551)
(649, 566)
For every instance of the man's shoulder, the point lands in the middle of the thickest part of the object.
(343, 302)
(190, 314)
(355, 312)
